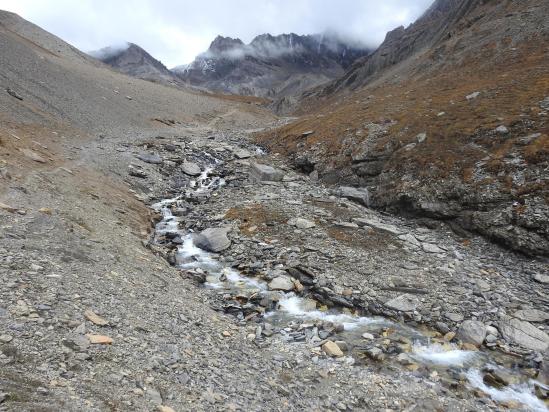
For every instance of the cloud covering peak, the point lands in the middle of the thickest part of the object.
(175, 32)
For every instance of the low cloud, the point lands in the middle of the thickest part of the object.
(175, 32)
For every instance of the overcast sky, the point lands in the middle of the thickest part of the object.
(176, 31)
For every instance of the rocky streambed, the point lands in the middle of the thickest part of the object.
(296, 265)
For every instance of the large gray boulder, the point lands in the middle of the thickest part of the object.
(524, 334)
(213, 239)
(264, 173)
(355, 194)
(472, 331)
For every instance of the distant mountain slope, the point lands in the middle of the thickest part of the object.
(134, 61)
(271, 66)
(448, 119)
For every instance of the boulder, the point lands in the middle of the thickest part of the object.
(524, 334)
(355, 194)
(191, 169)
(331, 349)
(472, 331)
(213, 239)
(403, 303)
(283, 283)
(265, 173)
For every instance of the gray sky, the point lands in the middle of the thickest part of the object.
(176, 31)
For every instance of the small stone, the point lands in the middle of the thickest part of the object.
(8, 208)
(421, 137)
(164, 408)
(472, 96)
(375, 354)
(342, 345)
(472, 331)
(241, 154)
(45, 210)
(449, 336)
(6, 338)
(301, 223)
(99, 339)
(502, 130)
(332, 349)
(226, 333)
(454, 317)
(368, 336)
(95, 319)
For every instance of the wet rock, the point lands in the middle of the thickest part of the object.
(368, 336)
(499, 378)
(283, 283)
(150, 158)
(524, 334)
(332, 349)
(403, 303)
(213, 240)
(301, 223)
(472, 331)
(265, 173)
(359, 195)
(454, 317)
(191, 169)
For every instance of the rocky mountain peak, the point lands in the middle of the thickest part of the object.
(223, 44)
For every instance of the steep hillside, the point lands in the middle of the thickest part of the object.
(270, 66)
(134, 61)
(447, 119)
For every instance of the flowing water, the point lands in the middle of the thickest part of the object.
(433, 356)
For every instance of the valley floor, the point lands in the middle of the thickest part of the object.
(93, 317)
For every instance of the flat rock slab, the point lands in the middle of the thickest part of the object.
(332, 349)
(241, 154)
(375, 224)
(531, 315)
(265, 173)
(213, 239)
(355, 194)
(524, 334)
(150, 158)
(403, 303)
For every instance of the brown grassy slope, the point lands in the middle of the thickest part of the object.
(512, 78)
